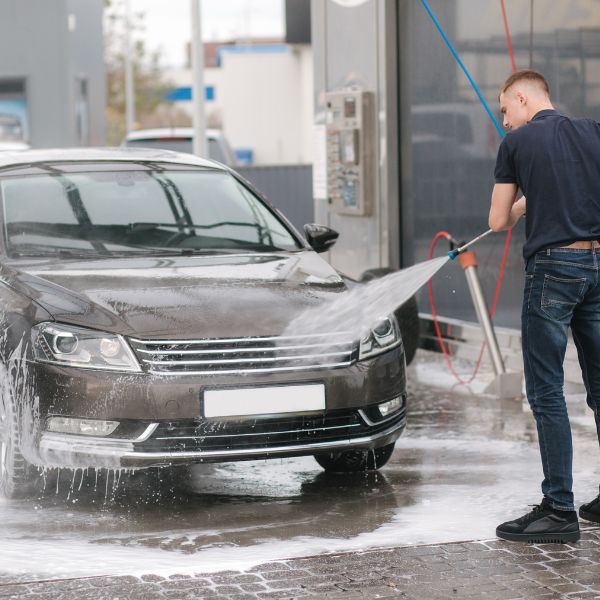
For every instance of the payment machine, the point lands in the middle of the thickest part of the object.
(351, 168)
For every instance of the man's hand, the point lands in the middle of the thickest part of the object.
(505, 212)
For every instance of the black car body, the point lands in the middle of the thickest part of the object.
(146, 300)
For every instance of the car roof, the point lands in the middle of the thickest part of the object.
(187, 132)
(70, 155)
(6, 145)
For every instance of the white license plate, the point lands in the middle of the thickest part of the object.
(264, 400)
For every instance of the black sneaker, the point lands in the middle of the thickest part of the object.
(591, 510)
(543, 525)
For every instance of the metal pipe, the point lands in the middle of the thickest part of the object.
(129, 83)
(454, 253)
(469, 265)
(198, 116)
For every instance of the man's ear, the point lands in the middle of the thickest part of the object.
(521, 97)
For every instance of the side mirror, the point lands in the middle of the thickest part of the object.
(319, 237)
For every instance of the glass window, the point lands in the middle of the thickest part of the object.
(14, 122)
(175, 144)
(449, 142)
(145, 210)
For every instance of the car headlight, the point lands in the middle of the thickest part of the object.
(79, 347)
(383, 335)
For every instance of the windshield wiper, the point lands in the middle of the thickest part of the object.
(142, 226)
(46, 251)
(35, 251)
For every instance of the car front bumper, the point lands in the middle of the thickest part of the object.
(162, 423)
(75, 451)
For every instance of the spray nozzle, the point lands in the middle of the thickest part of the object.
(455, 247)
(463, 246)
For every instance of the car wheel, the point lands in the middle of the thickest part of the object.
(355, 460)
(15, 471)
(407, 316)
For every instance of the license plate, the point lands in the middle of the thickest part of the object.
(262, 401)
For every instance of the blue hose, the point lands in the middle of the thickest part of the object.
(462, 66)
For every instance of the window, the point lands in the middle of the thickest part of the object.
(138, 210)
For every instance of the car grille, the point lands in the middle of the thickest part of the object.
(191, 435)
(246, 355)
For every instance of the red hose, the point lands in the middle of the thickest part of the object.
(436, 324)
(445, 234)
(511, 52)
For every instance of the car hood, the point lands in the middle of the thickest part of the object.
(179, 297)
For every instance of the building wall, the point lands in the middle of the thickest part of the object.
(263, 96)
(37, 44)
(354, 47)
(85, 54)
(305, 56)
(262, 104)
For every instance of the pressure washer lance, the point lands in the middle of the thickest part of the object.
(454, 253)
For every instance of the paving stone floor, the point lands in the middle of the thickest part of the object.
(487, 570)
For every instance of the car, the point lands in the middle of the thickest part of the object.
(12, 146)
(146, 300)
(11, 128)
(449, 127)
(181, 139)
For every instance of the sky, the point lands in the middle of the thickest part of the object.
(168, 26)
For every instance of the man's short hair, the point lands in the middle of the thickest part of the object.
(526, 75)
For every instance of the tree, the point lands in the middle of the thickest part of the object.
(150, 85)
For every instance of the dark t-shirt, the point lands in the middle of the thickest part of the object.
(555, 161)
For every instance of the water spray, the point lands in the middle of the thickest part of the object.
(454, 253)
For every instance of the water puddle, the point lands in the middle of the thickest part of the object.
(466, 463)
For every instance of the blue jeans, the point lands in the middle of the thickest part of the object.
(561, 290)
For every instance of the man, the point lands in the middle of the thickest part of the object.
(555, 161)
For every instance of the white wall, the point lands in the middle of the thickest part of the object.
(265, 101)
(306, 102)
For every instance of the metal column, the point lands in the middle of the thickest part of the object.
(505, 384)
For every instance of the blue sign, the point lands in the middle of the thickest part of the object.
(182, 94)
(244, 156)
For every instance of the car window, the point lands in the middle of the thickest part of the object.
(55, 209)
(217, 149)
(175, 144)
(27, 193)
(146, 210)
(11, 128)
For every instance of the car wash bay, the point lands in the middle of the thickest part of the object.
(464, 462)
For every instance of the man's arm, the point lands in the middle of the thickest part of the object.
(504, 211)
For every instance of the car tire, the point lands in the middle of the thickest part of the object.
(407, 316)
(15, 472)
(353, 461)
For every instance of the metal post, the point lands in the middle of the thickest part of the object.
(505, 384)
(129, 87)
(198, 117)
(483, 316)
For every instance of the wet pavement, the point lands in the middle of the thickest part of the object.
(492, 570)
(465, 463)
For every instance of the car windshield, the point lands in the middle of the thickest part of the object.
(133, 210)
